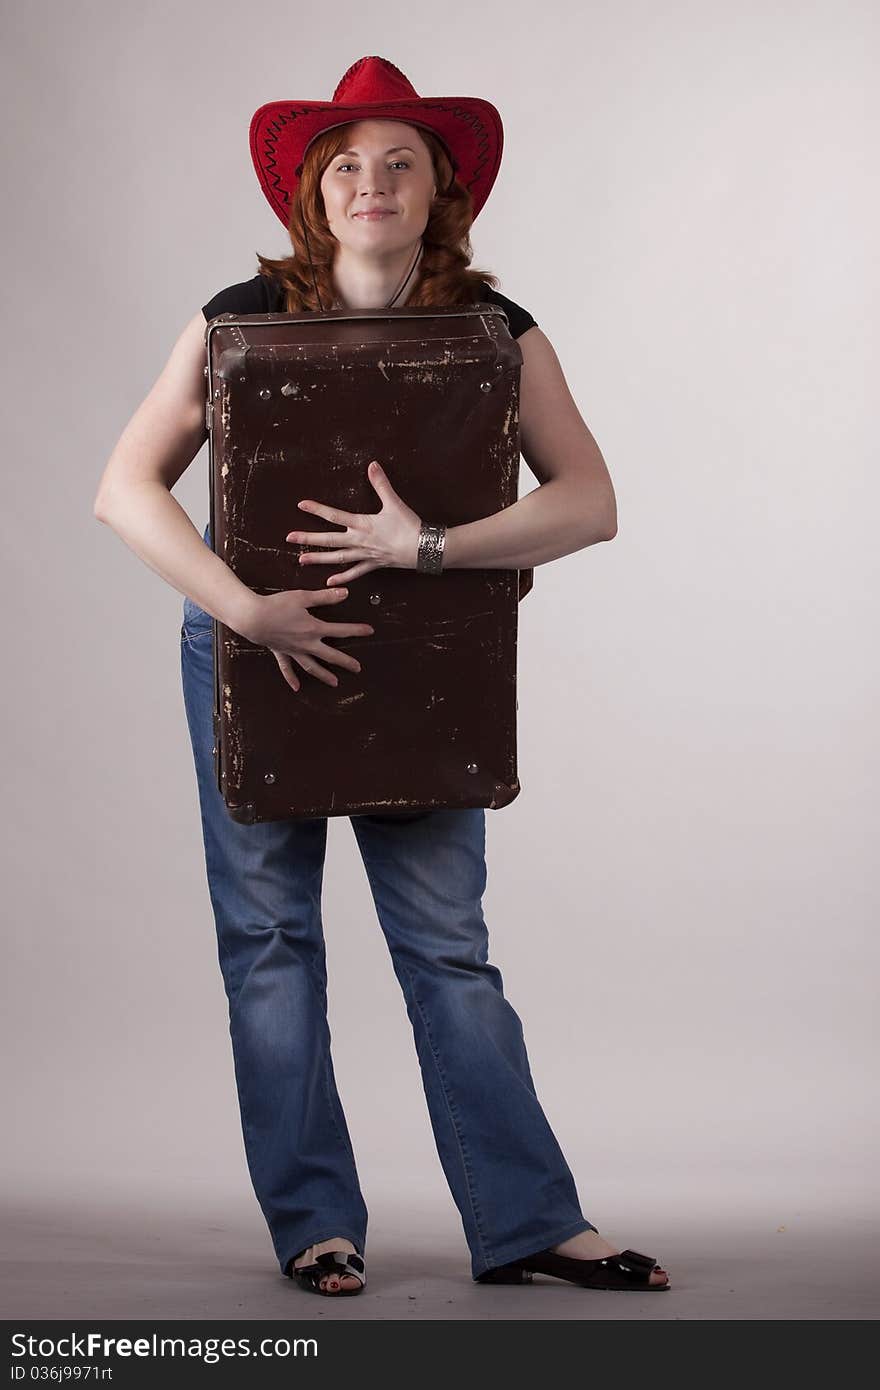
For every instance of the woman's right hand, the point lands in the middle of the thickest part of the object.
(284, 624)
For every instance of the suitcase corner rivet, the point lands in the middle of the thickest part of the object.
(216, 393)
(472, 767)
(265, 393)
(269, 777)
(485, 386)
(375, 598)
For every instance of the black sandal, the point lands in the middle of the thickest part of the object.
(331, 1262)
(628, 1270)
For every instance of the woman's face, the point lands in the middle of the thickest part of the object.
(385, 166)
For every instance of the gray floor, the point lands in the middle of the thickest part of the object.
(90, 1258)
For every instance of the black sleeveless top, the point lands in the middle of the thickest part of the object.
(264, 296)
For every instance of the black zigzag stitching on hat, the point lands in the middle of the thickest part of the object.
(478, 130)
(270, 138)
(270, 141)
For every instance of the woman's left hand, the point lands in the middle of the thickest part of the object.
(376, 540)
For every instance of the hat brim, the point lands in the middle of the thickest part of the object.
(470, 128)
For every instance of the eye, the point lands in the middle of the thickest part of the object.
(404, 162)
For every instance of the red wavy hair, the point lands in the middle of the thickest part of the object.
(443, 278)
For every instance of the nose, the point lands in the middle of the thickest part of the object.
(373, 181)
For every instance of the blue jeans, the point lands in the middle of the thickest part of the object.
(505, 1169)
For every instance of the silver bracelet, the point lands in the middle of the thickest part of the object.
(432, 539)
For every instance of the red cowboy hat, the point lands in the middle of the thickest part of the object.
(281, 131)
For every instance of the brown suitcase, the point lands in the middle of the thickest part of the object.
(298, 404)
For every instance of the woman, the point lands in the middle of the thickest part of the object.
(378, 205)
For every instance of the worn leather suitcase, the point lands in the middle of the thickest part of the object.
(297, 406)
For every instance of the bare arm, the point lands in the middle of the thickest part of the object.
(156, 447)
(134, 498)
(575, 505)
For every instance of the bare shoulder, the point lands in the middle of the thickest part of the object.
(539, 355)
(555, 439)
(183, 375)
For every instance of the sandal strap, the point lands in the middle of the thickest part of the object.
(340, 1262)
(634, 1261)
(628, 1269)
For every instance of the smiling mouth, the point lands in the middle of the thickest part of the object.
(374, 216)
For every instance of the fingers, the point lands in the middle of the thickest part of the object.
(326, 596)
(285, 665)
(338, 629)
(314, 668)
(327, 555)
(337, 658)
(334, 514)
(345, 630)
(307, 661)
(309, 665)
(365, 568)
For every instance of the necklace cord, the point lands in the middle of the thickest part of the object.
(397, 292)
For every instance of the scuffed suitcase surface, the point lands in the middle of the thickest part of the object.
(298, 406)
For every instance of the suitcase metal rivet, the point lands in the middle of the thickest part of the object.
(485, 386)
(265, 393)
(216, 393)
(472, 767)
(269, 777)
(375, 598)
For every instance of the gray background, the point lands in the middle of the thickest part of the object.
(680, 900)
